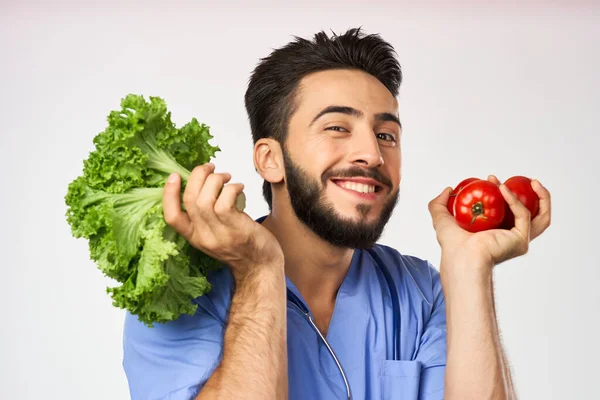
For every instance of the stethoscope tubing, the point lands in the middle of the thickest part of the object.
(294, 300)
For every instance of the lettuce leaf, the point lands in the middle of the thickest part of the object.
(116, 204)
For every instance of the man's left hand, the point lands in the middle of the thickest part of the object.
(494, 246)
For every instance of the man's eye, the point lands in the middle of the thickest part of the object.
(388, 137)
(336, 128)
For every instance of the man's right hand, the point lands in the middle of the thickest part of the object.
(212, 224)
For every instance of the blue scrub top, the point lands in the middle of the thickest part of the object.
(174, 360)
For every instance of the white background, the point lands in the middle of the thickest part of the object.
(487, 89)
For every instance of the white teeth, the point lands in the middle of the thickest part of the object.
(357, 187)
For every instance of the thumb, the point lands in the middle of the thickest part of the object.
(438, 207)
(442, 198)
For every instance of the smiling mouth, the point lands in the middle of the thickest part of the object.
(360, 188)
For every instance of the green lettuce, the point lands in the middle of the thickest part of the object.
(116, 204)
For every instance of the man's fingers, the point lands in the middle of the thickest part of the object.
(195, 183)
(209, 194)
(493, 179)
(173, 214)
(542, 221)
(225, 206)
(522, 217)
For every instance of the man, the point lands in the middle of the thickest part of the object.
(305, 309)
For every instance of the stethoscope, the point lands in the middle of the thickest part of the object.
(294, 300)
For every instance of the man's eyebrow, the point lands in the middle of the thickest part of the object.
(383, 117)
(338, 109)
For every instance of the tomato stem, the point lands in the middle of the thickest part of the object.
(477, 210)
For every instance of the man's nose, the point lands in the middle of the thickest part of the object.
(364, 149)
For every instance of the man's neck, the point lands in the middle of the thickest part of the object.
(316, 267)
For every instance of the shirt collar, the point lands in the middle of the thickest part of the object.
(349, 284)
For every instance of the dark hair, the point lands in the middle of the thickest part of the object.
(270, 97)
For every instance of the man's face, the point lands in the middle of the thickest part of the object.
(343, 167)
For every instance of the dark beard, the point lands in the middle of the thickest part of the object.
(316, 212)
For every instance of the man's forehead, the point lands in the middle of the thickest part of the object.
(355, 89)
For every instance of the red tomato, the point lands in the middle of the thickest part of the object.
(479, 206)
(457, 189)
(521, 187)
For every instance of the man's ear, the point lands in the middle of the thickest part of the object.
(268, 160)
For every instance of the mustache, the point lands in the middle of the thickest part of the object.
(357, 172)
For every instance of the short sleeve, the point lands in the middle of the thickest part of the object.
(174, 360)
(432, 349)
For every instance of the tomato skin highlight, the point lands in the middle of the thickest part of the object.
(521, 187)
(479, 206)
(457, 189)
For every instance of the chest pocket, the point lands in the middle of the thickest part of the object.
(400, 380)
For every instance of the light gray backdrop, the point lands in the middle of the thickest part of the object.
(487, 89)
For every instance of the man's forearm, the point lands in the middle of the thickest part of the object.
(476, 366)
(254, 364)
(511, 393)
